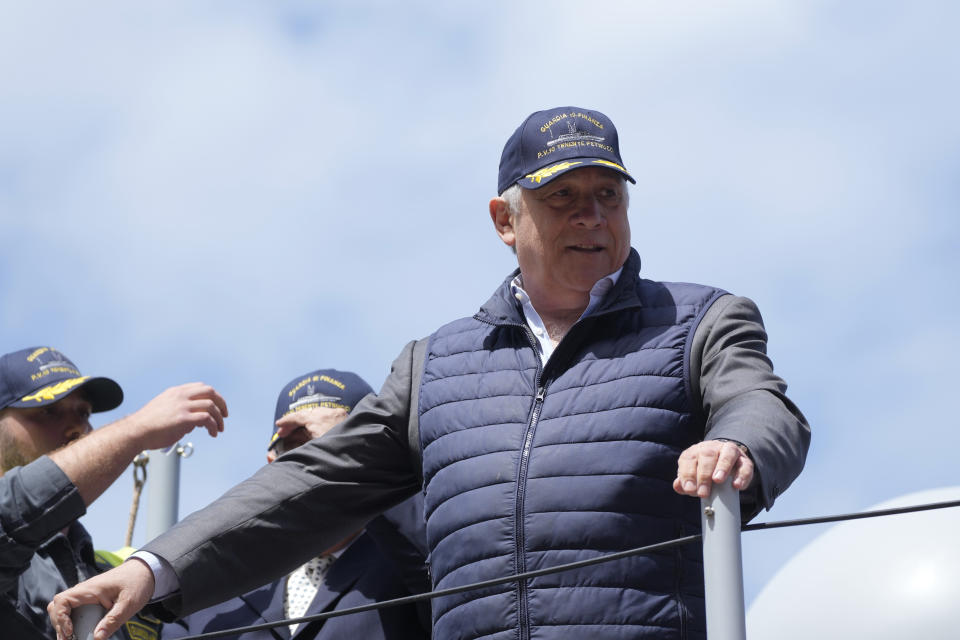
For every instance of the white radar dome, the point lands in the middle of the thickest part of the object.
(885, 578)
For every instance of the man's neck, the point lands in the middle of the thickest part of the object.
(558, 325)
(559, 313)
(558, 318)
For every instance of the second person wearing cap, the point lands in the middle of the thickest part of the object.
(53, 465)
(364, 567)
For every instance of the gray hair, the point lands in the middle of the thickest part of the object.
(512, 197)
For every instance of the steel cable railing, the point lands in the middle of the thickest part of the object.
(574, 565)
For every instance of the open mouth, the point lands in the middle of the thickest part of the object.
(586, 248)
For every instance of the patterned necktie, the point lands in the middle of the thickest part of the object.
(302, 585)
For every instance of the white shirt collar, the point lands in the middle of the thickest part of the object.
(535, 322)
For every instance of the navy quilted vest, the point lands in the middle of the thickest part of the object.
(526, 468)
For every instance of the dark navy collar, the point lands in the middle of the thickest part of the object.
(503, 308)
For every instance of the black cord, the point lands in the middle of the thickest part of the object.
(572, 565)
(760, 526)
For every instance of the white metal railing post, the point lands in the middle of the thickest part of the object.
(163, 491)
(723, 563)
(163, 488)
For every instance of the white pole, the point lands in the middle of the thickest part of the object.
(163, 488)
(723, 564)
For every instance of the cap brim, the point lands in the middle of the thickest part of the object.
(103, 393)
(274, 439)
(551, 172)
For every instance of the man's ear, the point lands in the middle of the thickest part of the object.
(503, 221)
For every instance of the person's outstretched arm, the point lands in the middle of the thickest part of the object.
(290, 510)
(43, 497)
(95, 461)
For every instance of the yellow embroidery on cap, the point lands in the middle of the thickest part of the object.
(610, 164)
(546, 172)
(54, 390)
(40, 351)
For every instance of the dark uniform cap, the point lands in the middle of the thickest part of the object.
(38, 376)
(550, 143)
(320, 388)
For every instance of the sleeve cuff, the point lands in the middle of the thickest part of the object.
(165, 579)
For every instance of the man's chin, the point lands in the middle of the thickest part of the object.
(12, 457)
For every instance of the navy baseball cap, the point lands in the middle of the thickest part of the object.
(550, 143)
(39, 376)
(320, 388)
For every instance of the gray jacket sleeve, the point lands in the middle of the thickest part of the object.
(292, 509)
(744, 400)
(36, 501)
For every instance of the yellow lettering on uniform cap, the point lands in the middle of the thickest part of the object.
(336, 383)
(546, 152)
(54, 390)
(299, 386)
(552, 121)
(546, 172)
(33, 356)
(46, 372)
(309, 379)
(590, 119)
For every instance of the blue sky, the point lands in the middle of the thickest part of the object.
(238, 193)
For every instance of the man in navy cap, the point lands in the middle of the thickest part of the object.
(581, 411)
(366, 566)
(52, 467)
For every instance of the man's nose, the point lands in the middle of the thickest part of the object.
(589, 213)
(78, 427)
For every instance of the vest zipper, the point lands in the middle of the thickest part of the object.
(523, 613)
(519, 535)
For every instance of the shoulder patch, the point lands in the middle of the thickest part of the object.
(139, 631)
